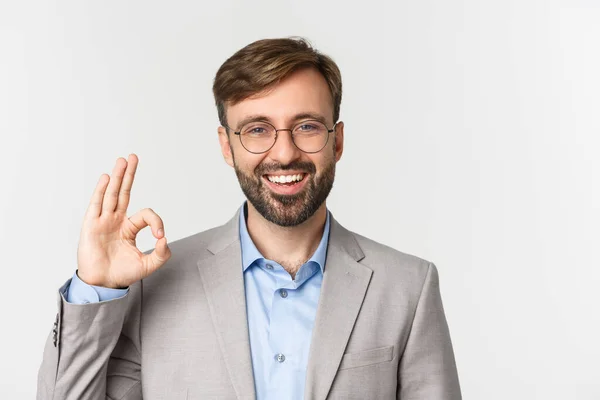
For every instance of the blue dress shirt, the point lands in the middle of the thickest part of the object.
(79, 292)
(281, 314)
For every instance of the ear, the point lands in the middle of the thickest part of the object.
(225, 145)
(339, 140)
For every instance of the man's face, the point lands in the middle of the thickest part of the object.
(290, 204)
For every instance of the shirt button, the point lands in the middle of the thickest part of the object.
(269, 266)
(283, 293)
(280, 357)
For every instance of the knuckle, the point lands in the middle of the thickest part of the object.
(128, 231)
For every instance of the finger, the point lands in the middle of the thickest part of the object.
(112, 192)
(125, 192)
(158, 257)
(95, 206)
(144, 218)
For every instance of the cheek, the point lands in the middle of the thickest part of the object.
(324, 161)
(245, 163)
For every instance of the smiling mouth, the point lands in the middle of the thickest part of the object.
(286, 180)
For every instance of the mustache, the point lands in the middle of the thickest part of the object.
(303, 166)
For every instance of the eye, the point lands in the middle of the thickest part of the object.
(257, 129)
(309, 128)
(306, 128)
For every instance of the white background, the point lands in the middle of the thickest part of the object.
(471, 140)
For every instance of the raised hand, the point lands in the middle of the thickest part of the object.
(107, 254)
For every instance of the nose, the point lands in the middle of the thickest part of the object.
(284, 150)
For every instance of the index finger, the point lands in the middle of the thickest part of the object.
(127, 183)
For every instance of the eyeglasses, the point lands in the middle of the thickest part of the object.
(309, 136)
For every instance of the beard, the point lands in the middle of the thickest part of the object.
(287, 210)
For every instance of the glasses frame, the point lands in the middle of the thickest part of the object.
(291, 131)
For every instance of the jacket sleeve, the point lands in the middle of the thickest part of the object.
(427, 368)
(93, 350)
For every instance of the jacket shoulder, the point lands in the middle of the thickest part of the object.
(391, 263)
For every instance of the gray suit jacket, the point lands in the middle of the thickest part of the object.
(380, 330)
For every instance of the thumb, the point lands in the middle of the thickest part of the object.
(158, 257)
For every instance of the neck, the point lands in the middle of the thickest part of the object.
(289, 246)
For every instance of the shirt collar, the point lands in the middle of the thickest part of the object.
(250, 253)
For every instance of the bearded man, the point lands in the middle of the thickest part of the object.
(280, 302)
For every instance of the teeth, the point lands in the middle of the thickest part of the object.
(285, 178)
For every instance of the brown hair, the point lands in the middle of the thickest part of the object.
(264, 63)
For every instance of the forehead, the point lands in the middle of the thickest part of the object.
(303, 91)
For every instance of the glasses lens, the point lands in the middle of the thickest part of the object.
(257, 137)
(310, 136)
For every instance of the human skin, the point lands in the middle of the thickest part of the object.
(303, 92)
(107, 254)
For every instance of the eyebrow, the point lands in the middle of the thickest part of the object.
(297, 117)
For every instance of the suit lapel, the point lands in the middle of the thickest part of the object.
(345, 284)
(223, 281)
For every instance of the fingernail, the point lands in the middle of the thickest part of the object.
(160, 231)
